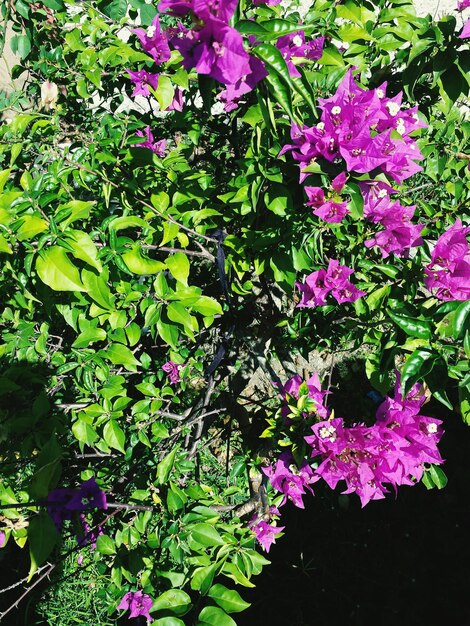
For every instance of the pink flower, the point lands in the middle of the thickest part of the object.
(465, 30)
(291, 480)
(314, 391)
(173, 371)
(214, 50)
(265, 533)
(157, 147)
(393, 451)
(463, 4)
(322, 282)
(2, 538)
(154, 41)
(138, 603)
(142, 80)
(448, 274)
(356, 125)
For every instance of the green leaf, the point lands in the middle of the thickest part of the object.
(165, 466)
(178, 265)
(418, 364)
(121, 355)
(42, 537)
(206, 535)
(229, 599)
(88, 336)
(139, 264)
(83, 248)
(4, 174)
(116, 9)
(21, 45)
(165, 92)
(32, 225)
(84, 432)
(56, 5)
(438, 476)
(202, 578)
(178, 313)
(114, 436)
(207, 306)
(460, 318)
(5, 246)
(175, 600)
(413, 327)
(73, 211)
(105, 545)
(168, 621)
(97, 288)
(56, 270)
(215, 617)
(123, 223)
(170, 231)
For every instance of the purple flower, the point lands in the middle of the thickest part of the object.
(393, 451)
(265, 533)
(177, 102)
(2, 538)
(290, 480)
(173, 371)
(88, 496)
(157, 147)
(57, 501)
(62, 502)
(233, 93)
(448, 274)
(221, 9)
(465, 30)
(215, 50)
(315, 393)
(294, 45)
(356, 125)
(334, 280)
(270, 3)
(137, 603)
(88, 536)
(142, 80)
(179, 8)
(154, 41)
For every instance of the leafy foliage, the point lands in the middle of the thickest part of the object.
(119, 260)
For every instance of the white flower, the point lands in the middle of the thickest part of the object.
(49, 95)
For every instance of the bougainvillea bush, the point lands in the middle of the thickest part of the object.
(204, 208)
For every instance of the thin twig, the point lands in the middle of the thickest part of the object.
(23, 580)
(200, 419)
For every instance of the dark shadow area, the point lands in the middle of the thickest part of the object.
(403, 561)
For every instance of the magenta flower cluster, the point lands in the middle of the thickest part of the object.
(63, 503)
(334, 280)
(213, 47)
(266, 533)
(314, 391)
(399, 234)
(393, 451)
(138, 603)
(330, 209)
(356, 126)
(294, 45)
(448, 274)
(173, 371)
(157, 147)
